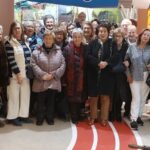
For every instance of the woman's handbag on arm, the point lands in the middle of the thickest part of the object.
(148, 79)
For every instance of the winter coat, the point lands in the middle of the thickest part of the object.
(100, 82)
(4, 79)
(75, 75)
(43, 63)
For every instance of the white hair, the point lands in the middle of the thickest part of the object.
(1, 29)
(29, 23)
(126, 21)
(77, 30)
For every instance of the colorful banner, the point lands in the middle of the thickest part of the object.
(83, 3)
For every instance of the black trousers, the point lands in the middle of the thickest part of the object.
(75, 111)
(46, 104)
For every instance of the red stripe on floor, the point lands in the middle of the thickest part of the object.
(84, 137)
(106, 140)
(125, 135)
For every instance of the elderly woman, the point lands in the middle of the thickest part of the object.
(99, 75)
(138, 60)
(60, 37)
(32, 38)
(75, 75)
(88, 32)
(18, 91)
(122, 90)
(49, 66)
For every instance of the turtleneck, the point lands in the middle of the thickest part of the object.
(47, 49)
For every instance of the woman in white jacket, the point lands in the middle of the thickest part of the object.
(18, 91)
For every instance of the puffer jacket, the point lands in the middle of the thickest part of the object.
(43, 63)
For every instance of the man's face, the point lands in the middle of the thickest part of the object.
(49, 23)
(87, 31)
(132, 35)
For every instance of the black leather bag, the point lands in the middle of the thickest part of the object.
(29, 72)
(148, 80)
(119, 68)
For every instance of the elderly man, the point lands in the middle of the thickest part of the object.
(124, 24)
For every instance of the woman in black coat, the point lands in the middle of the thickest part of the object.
(122, 90)
(99, 75)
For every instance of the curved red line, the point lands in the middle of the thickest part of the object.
(106, 140)
(125, 134)
(84, 137)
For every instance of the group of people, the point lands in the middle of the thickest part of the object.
(95, 62)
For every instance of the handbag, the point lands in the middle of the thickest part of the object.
(148, 79)
(119, 68)
(29, 71)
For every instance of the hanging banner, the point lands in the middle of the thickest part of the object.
(141, 4)
(83, 3)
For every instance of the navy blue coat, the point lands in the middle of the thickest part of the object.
(100, 82)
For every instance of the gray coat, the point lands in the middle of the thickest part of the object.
(42, 63)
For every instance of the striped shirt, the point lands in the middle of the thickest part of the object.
(13, 67)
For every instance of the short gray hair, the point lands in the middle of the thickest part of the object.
(77, 30)
(29, 23)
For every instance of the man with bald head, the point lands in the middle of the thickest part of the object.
(132, 34)
(124, 25)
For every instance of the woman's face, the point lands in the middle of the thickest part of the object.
(118, 38)
(30, 30)
(17, 31)
(70, 29)
(49, 23)
(94, 24)
(87, 31)
(48, 40)
(77, 39)
(145, 38)
(59, 37)
(103, 34)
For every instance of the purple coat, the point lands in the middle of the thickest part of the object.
(42, 63)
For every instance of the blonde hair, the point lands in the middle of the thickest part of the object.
(48, 32)
(119, 31)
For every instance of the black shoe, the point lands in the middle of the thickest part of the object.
(16, 122)
(74, 121)
(134, 125)
(139, 121)
(119, 118)
(111, 117)
(39, 122)
(50, 121)
(26, 120)
(126, 115)
(2, 124)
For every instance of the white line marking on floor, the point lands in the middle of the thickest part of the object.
(74, 137)
(95, 138)
(116, 136)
